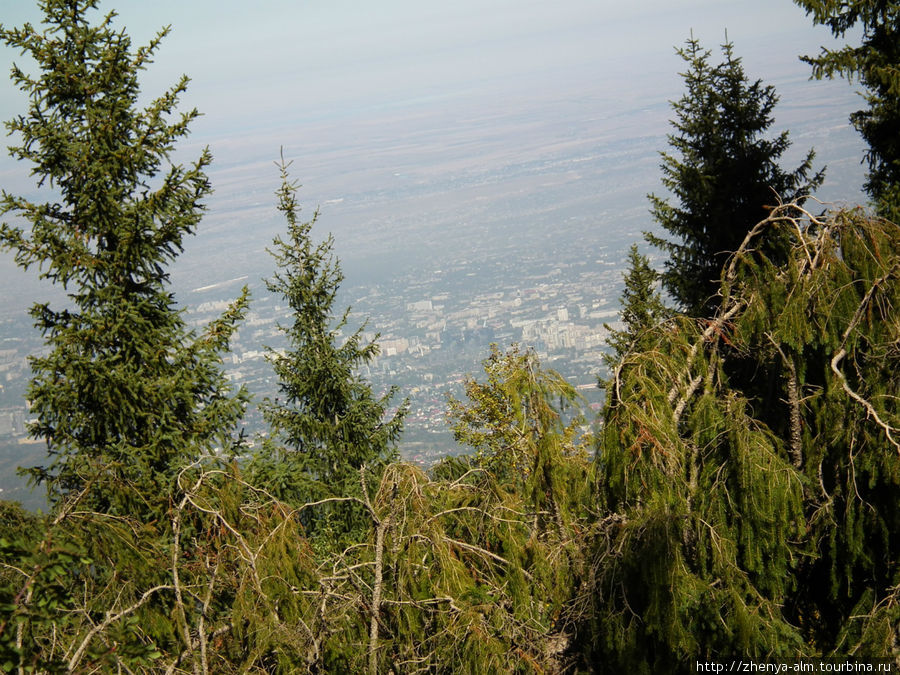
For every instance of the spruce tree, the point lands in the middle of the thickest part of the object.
(327, 423)
(723, 174)
(642, 306)
(876, 65)
(125, 394)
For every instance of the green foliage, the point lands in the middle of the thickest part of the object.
(724, 174)
(516, 422)
(741, 499)
(469, 571)
(749, 463)
(446, 576)
(327, 423)
(692, 557)
(530, 464)
(642, 306)
(835, 330)
(125, 393)
(73, 593)
(876, 64)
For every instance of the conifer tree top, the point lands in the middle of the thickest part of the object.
(327, 423)
(723, 173)
(126, 392)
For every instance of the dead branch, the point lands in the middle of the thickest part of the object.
(484, 552)
(221, 630)
(682, 403)
(889, 430)
(481, 511)
(111, 619)
(376, 595)
(870, 409)
(201, 625)
(179, 600)
(714, 328)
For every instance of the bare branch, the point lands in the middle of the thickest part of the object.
(111, 619)
(179, 601)
(376, 595)
(870, 409)
(889, 430)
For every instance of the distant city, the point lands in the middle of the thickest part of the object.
(509, 225)
(436, 326)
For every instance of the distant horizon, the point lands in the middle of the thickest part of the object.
(367, 100)
(281, 63)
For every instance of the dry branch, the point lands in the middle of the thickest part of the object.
(889, 430)
(111, 619)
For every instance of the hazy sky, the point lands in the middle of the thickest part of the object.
(363, 92)
(254, 64)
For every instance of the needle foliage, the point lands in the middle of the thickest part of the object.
(875, 64)
(723, 174)
(327, 424)
(124, 393)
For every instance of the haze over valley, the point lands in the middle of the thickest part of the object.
(466, 208)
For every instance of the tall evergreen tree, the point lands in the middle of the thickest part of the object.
(724, 174)
(328, 424)
(125, 394)
(876, 64)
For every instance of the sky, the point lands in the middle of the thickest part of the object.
(264, 63)
(341, 83)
